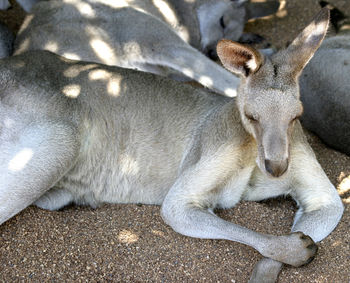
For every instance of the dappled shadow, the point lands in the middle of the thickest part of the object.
(79, 29)
(109, 109)
(153, 36)
(344, 186)
(127, 237)
(20, 159)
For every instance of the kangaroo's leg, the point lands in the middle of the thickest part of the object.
(54, 199)
(186, 209)
(319, 212)
(164, 51)
(33, 157)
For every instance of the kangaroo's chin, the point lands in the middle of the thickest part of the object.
(273, 175)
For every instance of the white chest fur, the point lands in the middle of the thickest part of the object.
(232, 192)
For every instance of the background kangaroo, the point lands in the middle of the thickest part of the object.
(325, 90)
(65, 140)
(152, 36)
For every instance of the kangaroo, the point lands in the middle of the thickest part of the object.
(325, 90)
(85, 133)
(149, 35)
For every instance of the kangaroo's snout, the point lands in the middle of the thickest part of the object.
(276, 168)
(274, 156)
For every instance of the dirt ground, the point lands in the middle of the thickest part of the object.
(131, 242)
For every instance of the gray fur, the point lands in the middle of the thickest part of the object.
(25, 4)
(153, 36)
(6, 41)
(91, 134)
(4, 4)
(325, 92)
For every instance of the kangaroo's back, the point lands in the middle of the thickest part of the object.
(141, 130)
(46, 76)
(91, 31)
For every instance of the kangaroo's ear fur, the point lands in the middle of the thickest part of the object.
(238, 58)
(301, 50)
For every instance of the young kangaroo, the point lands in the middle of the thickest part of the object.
(158, 36)
(90, 134)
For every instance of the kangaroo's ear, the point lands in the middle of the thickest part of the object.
(301, 50)
(238, 58)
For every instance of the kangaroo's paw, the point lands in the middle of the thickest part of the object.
(295, 249)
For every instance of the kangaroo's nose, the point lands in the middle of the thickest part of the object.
(276, 168)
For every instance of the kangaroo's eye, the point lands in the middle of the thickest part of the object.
(251, 118)
(294, 120)
(222, 24)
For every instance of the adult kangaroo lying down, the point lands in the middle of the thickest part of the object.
(90, 134)
(149, 35)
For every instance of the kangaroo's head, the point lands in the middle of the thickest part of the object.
(268, 96)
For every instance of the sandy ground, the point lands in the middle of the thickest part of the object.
(131, 242)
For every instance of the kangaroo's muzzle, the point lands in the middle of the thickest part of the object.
(276, 168)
